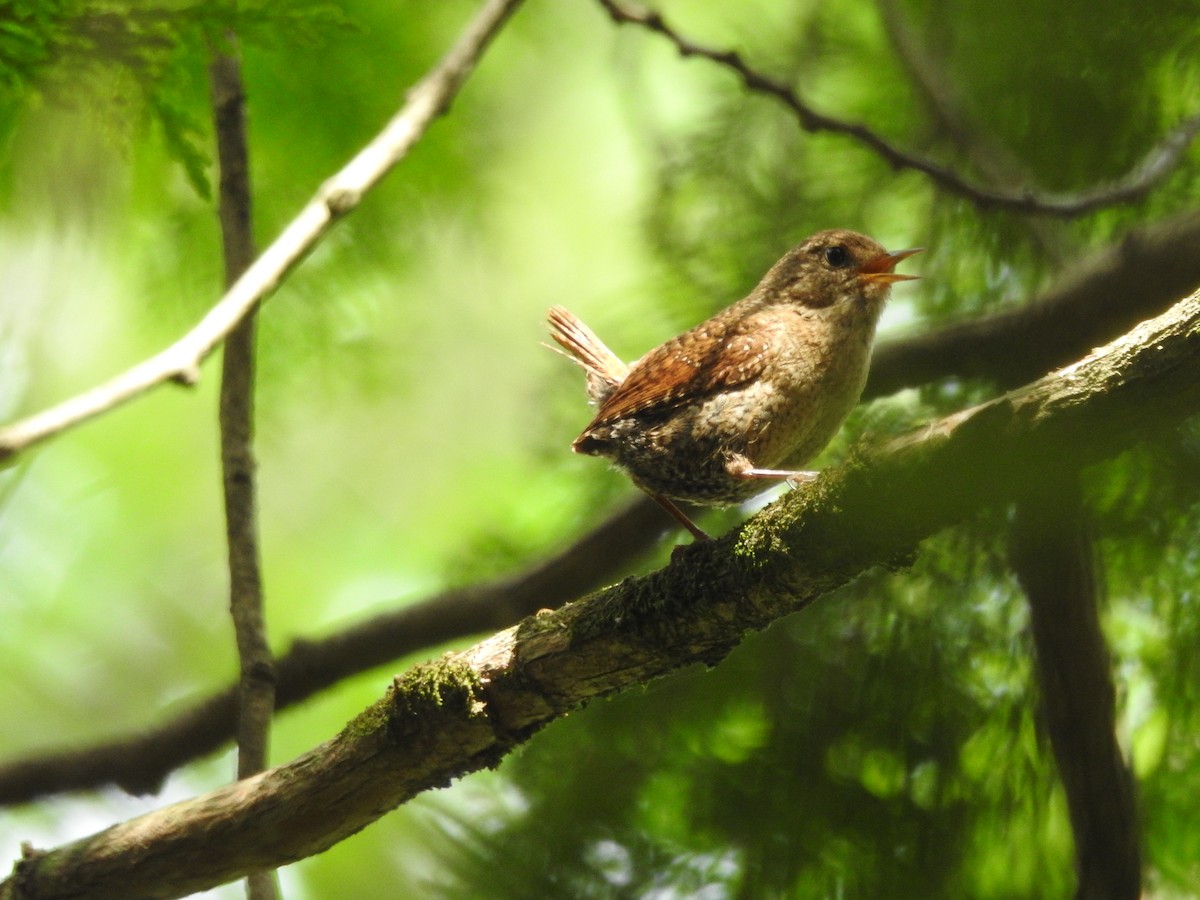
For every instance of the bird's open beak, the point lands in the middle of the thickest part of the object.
(880, 268)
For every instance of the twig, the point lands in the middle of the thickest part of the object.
(444, 719)
(991, 158)
(339, 195)
(943, 99)
(256, 691)
(1135, 184)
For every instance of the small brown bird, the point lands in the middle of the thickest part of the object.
(750, 395)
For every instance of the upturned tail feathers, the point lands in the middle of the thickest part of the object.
(604, 368)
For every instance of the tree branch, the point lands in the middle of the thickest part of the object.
(1107, 293)
(338, 196)
(1156, 165)
(944, 101)
(1051, 552)
(139, 763)
(446, 718)
(989, 157)
(256, 691)
(1115, 288)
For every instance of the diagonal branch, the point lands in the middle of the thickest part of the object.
(141, 762)
(338, 196)
(1106, 294)
(447, 718)
(943, 99)
(989, 157)
(1156, 165)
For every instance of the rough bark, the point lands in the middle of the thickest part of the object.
(1107, 293)
(446, 718)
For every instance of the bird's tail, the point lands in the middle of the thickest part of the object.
(604, 368)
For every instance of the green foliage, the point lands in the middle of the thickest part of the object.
(28, 33)
(145, 55)
(841, 753)
(412, 436)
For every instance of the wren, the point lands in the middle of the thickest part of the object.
(750, 395)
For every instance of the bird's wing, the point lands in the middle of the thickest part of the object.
(714, 356)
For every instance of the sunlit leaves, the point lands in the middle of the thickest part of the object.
(148, 55)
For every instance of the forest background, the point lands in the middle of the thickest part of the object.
(1008, 709)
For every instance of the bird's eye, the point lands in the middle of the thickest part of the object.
(837, 256)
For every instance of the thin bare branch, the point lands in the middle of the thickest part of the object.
(256, 690)
(444, 719)
(1156, 165)
(944, 101)
(997, 164)
(181, 361)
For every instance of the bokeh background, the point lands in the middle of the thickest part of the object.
(413, 435)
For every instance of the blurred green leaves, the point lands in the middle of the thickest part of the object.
(412, 434)
(145, 55)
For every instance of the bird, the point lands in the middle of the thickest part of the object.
(750, 395)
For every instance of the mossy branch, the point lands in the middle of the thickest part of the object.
(449, 717)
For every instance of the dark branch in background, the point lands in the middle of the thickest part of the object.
(1052, 554)
(1106, 294)
(1156, 165)
(256, 686)
(973, 140)
(1116, 287)
(338, 196)
(1051, 549)
(139, 764)
(449, 717)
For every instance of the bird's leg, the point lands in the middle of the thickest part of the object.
(679, 516)
(738, 466)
